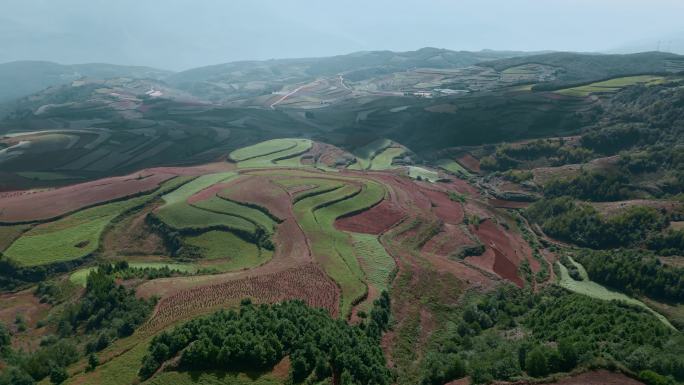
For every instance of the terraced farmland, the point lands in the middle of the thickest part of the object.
(276, 152)
(334, 251)
(76, 235)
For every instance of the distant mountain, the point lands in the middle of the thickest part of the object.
(579, 67)
(325, 66)
(21, 78)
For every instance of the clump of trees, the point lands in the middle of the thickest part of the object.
(258, 337)
(581, 224)
(106, 311)
(634, 272)
(556, 331)
(591, 186)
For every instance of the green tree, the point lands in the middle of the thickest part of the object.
(58, 374)
(536, 363)
(93, 361)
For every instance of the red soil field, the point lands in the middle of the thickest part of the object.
(307, 283)
(451, 239)
(46, 204)
(445, 209)
(375, 220)
(460, 186)
(506, 269)
(508, 204)
(470, 162)
(507, 249)
(261, 191)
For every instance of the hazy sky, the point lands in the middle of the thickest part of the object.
(180, 34)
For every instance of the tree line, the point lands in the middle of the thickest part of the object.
(256, 337)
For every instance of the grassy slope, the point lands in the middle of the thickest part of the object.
(594, 290)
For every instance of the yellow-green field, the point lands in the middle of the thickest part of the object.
(610, 86)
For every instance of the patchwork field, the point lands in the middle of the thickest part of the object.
(279, 227)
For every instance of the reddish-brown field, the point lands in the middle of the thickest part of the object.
(445, 209)
(504, 251)
(372, 221)
(259, 190)
(46, 204)
(460, 186)
(470, 162)
(449, 240)
(308, 283)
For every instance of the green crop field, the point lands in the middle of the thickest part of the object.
(453, 167)
(375, 262)
(220, 205)
(364, 155)
(264, 148)
(610, 86)
(79, 277)
(594, 290)
(182, 216)
(383, 160)
(234, 252)
(196, 185)
(422, 173)
(277, 152)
